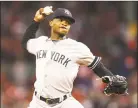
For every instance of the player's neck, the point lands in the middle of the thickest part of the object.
(55, 36)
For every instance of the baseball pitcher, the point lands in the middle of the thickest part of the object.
(58, 59)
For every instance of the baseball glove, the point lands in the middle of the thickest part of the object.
(115, 85)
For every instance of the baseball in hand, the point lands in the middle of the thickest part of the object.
(47, 10)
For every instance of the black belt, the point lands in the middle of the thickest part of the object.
(51, 101)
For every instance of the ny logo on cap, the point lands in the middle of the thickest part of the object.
(67, 12)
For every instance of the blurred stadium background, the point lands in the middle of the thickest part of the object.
(109, 29)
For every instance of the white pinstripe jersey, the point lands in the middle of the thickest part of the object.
(56, 66)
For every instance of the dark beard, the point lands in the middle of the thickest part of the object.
(61, 35)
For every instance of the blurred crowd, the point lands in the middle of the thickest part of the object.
(105, 27)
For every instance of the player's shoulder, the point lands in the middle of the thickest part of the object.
(77, 44)
(73, 41)
(42, 38)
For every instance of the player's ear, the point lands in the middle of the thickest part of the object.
(51, 23)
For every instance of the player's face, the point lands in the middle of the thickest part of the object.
(60, 26)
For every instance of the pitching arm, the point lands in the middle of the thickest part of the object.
(30, 33)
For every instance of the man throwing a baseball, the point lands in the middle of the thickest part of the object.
(58, 59)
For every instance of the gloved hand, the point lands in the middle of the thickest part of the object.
(115, 85)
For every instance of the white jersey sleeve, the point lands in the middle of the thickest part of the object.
(32, 43)
(85, 54)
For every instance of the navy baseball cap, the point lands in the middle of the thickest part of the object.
(62, 12)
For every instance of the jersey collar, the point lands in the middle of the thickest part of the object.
(65, 37)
